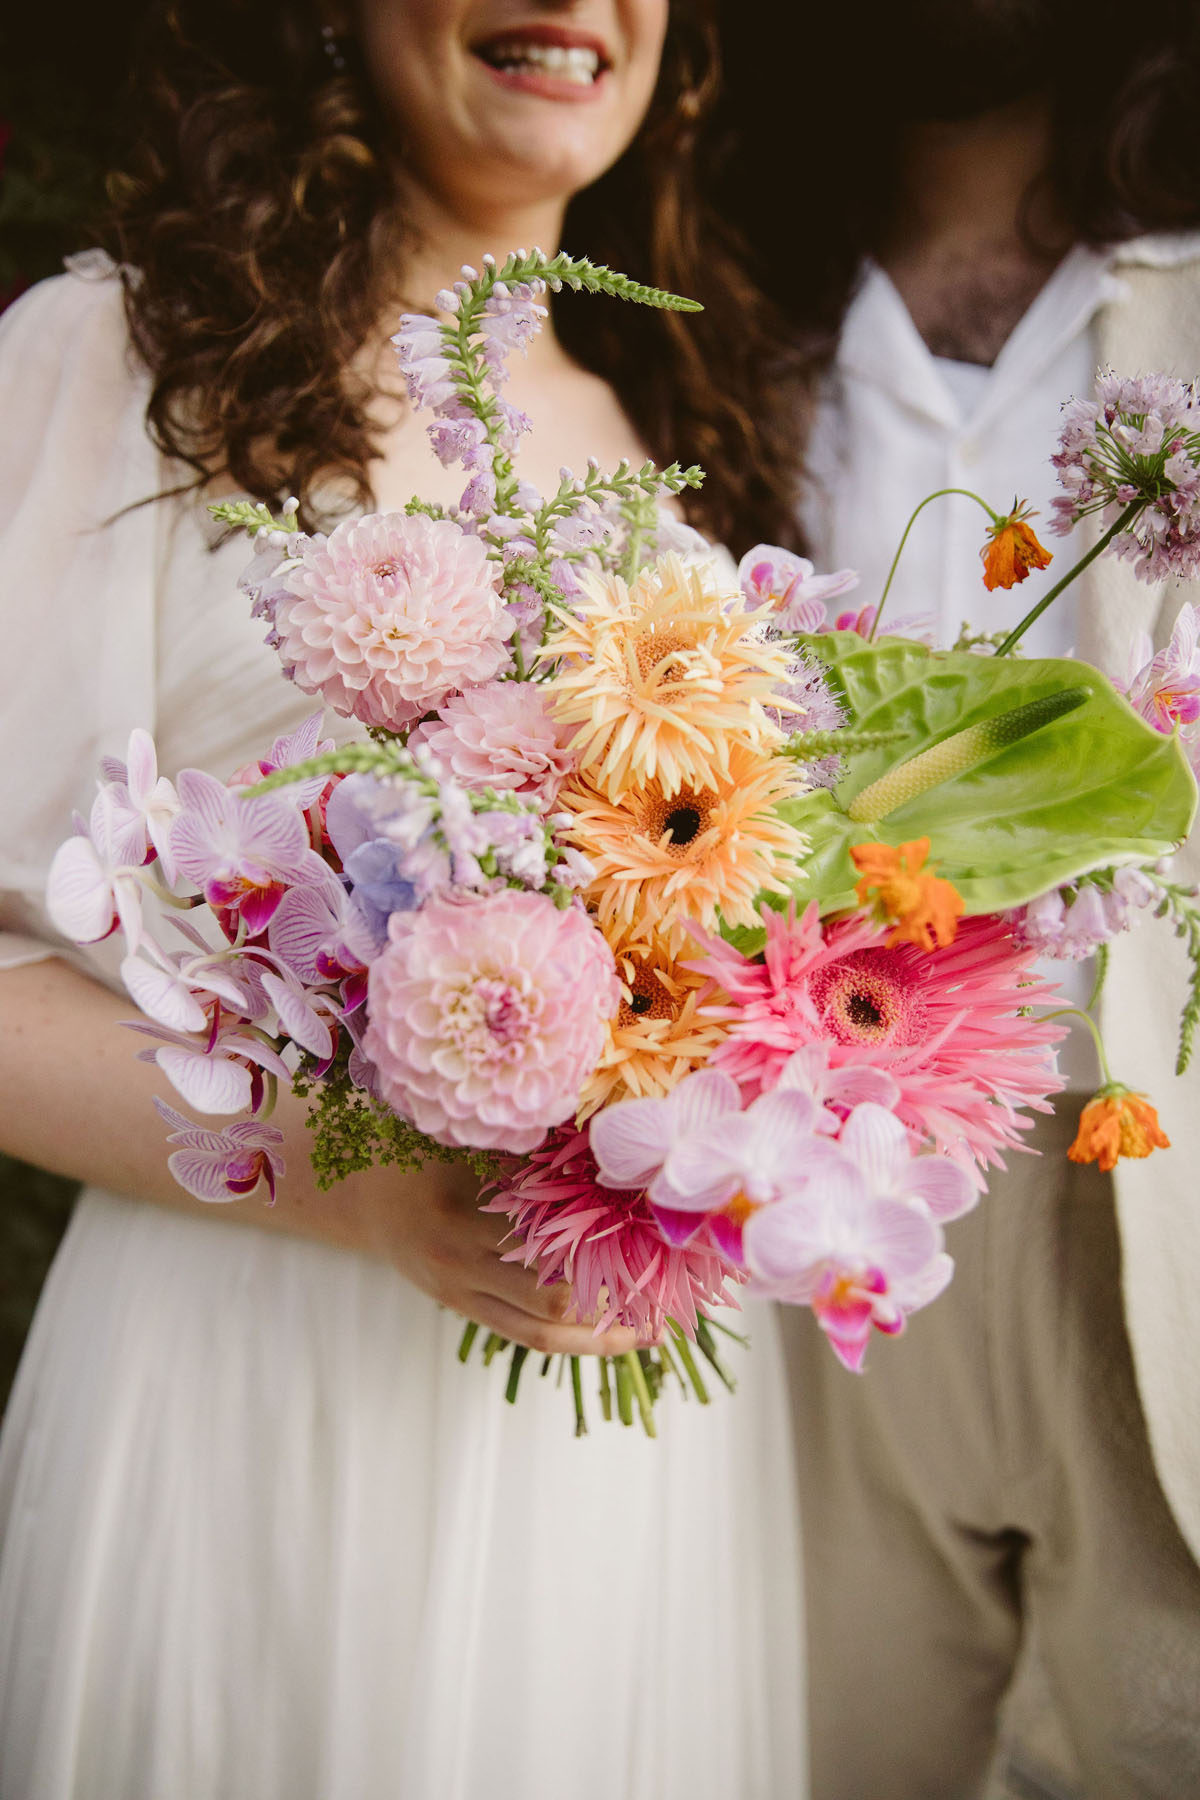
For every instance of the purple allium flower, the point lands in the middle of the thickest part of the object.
(223, 1165)
(1139, 440)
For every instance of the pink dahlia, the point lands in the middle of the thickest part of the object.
(605, 1243)
(487, 1015)
(950, 1026)
(501, 736)
(388, 614)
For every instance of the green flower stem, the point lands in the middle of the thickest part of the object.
(708, 1349)
(683, 1351)
(470, 1333)
(1076, 1012)
(1101, 971)
(641, 1392)
(624, 1389)
(606, 1404)
(941, 493)
(577, 1391)
(520, 1352)
(1035, 612)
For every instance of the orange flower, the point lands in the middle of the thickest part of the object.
(1117, 1122)
(1012, 551)
(923, 908)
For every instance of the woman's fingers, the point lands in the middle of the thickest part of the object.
(551, 1337)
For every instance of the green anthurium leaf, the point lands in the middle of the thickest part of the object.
(1094, 787)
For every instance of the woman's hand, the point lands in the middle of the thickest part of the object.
(438, 1238)
(77, 1101)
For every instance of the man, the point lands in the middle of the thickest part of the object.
(1008, 197)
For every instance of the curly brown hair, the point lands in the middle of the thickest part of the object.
(259, 209)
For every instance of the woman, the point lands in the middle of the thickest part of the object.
(264, 1536)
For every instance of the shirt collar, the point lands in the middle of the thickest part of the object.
(880, 345)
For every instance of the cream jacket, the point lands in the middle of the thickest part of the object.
(1158, 1200)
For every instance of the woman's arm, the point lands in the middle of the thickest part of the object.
(76, 1100)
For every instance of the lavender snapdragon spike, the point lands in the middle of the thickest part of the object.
(455, 367)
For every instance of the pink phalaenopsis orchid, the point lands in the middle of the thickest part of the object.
(147, 795)
(774, 578)
(857, 1260)
(95, 880)
(296, 747)
(1165, 688)
(241, 853)
(221, 1072)
(223, 1165)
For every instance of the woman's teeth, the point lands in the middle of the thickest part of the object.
(576, 64)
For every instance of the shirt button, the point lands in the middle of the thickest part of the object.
(968, 453)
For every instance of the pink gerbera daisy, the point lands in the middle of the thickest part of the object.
(605, 1243)
(951, 1026)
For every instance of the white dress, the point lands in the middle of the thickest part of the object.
(264, 1537)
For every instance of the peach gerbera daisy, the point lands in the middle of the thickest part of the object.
(662, 857)
(662, 679)
(658, 1035)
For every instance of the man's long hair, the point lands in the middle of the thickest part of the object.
(260, 214)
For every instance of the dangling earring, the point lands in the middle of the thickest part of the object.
(331, 43)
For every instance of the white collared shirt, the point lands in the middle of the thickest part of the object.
(897, 423)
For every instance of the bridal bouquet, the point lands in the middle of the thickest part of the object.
(707, 928)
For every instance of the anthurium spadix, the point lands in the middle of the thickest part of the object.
(1023, 774)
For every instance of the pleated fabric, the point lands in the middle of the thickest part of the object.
(268, 1540)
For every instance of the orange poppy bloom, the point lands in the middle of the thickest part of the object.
(922, 907)
(1117, 1122)
(1012, 550)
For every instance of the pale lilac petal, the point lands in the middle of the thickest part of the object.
(629, 1142)
(212, 1084)
(79, 896)
(944, 1186)
(162, 995)
(902, 1238)
(878, 1142)
(701, 1097)
(200, 1175)
(298, 1017)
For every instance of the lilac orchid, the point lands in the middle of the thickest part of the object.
(241, 853)
(95, 878)
(223, 1165)
(859, 1260)
(788, 585)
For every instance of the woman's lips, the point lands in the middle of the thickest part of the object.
(548, 60)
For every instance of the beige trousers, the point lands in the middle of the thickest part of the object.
(989, 1470)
